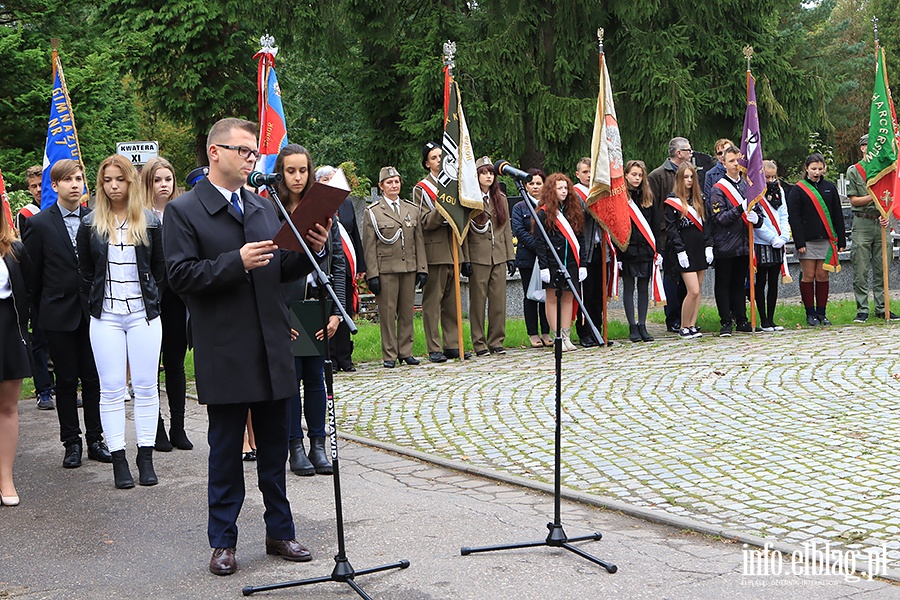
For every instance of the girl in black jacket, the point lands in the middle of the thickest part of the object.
(638, 259)
(121, 260)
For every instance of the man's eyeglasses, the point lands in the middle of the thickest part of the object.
(720, 153)
(243, 151)
(689, 150)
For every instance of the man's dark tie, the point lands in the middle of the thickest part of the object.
(235, 202)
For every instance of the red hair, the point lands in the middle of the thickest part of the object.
(573, 210)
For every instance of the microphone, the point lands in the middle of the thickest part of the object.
(258, 179)
(503, 167)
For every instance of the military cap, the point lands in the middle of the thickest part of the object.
(388, 172)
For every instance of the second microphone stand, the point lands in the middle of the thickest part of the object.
(343, 572)
(556, 537)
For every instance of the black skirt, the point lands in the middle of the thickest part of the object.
(767, 256)
(14, 359)
(639, 269)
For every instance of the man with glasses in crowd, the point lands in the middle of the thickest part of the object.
(718, 171)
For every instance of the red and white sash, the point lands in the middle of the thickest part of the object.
(638, 220)
(773, 219)
(582, 191)
(430, 191)
(350, 257)
(692, 214)
(733, 195)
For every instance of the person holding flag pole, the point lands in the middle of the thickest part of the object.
(607, 199)
(62, 137)
(878, 169)
(458, 197)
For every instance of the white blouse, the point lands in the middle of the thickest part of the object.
(123, 287)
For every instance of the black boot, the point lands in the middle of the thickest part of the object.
(318, 457)
(634, 334)
(145, 466)
(297, 460)
(176, 431)
(121, 472)
(162, 442)
(645, 335)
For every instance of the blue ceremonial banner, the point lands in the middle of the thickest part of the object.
(751, 160)
(62, 139)
(272, 124)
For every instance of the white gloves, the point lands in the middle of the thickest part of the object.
(709, 255)
(778, 242)
(752, 217)
(545, 275)
(582, 274)
(683, 260)
(659, 260)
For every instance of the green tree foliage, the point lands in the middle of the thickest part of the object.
(103, 106)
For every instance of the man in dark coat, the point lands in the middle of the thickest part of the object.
(221, 260)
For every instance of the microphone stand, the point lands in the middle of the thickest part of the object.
(556, 537)
(343, 572)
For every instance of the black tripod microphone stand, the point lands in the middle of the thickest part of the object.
(343, 572)
(557, 536)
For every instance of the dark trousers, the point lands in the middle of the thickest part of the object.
(173, 318)
(43, 379)
(341, 347)
(592, 295)
(73, 360)
(226, 469)
(767, 276)
(731, 278)
(675, 293)
(311, 372)
(535, 315)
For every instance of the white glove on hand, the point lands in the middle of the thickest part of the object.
(545, 275)
(659, 260)
(683, 260)
(582, 274)
(709, 255)
(752, 217)
(778, 242)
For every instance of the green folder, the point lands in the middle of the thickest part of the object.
(306, 318)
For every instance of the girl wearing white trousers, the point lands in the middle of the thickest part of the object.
(121, 260)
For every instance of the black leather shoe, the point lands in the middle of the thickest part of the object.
(162, 443)
(484, 352)
(410, 360)
(634, 333)
(588, 342)
(287, 549)
(389, 364)
(437, 357)
(645, 335)
(453, 353)
(144, 461)
(72, 459)
(121, 472)
(349, 368)
(222, 561)
(498, 350)
(297, 460)
(99, 452)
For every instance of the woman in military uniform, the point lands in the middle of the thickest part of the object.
(395, 258)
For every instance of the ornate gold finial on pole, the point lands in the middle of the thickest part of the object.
(748, 54)
(54, 44)
(600, 33)
(449, 54)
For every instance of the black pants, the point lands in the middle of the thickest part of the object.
(226, 469)
(675, 292)
(341, 347)
(731, 278)
(43, 378)
(173, 317)
(592, 290)
(767, 276)
(73, 360)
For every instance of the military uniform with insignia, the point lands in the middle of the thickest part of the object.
(395, 259)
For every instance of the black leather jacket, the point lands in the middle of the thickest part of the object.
(92, 252)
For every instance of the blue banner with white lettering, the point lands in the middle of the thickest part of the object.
(62, 139)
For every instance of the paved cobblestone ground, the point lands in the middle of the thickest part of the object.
(790, 436)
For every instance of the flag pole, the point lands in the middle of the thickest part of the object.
(604, 276)
(449, 63)
(751, 267)
(885, 261)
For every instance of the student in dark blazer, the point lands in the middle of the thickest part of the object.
(220, 258)
(60, 297)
